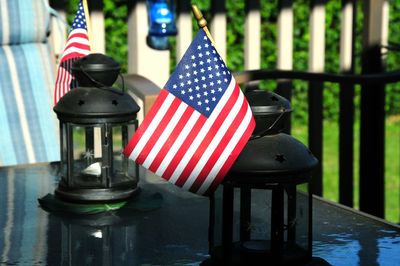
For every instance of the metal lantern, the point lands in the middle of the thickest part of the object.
(262, 212)
(94, 124)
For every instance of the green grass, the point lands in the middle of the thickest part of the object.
(331, 164)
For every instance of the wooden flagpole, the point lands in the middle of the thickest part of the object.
(202, 22)
(88, 22)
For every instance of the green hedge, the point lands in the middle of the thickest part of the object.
(116, 39)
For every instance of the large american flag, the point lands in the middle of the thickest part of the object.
(197, 126)
(77, 46)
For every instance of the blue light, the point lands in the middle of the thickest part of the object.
(161, 18)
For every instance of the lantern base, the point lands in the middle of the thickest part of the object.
(95, 194)
(257, 253)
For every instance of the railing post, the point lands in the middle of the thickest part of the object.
(143, 60)
(98, 41)
(285, 50)
(218, 26)
(316, 64)
(184, 25)
(252, 35)
(372, 113)
(346, 108)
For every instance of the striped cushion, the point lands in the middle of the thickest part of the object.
(29, 128)
(23, 21)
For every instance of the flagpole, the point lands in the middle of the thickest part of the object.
(202, 22)
(88, 21)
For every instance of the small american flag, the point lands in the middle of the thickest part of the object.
(77, 46)
(197, 126)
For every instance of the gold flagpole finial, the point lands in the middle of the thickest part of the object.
(201, 21)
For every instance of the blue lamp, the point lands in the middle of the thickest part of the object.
(161, 23)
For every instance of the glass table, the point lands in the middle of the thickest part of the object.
(167, 226)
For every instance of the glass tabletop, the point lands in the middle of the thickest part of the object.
(165, 226)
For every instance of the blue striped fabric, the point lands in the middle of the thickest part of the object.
(28, 125)
(23, 21)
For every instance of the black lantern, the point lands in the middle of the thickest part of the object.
(262, 212)
(94, 124)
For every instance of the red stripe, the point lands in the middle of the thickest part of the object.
(220, 148)
(78, 45)
(74, 34)
(208, 138)
(146, 122)
(171, 139)
(158, 131)
(229, 162)
(184, 147)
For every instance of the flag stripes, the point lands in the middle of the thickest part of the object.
(198, 125)
(77, 45)
(208, 143)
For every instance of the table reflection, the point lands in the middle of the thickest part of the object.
(175, 233)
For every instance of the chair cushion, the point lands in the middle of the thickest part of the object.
(23, 21)
(29, 128)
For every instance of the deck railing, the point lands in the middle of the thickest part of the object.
(155, 65)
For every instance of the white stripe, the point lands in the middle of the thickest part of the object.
(226, 153)
(165, 134)
(215, 142)
(79, 40)
(203, 132)
(175, 147)
(5, 22)
(74, 49)
(20, 105)
(153, 125)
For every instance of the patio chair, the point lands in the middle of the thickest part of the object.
(28, 125)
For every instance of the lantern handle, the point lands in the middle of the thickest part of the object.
(263, 133)
(101, 85)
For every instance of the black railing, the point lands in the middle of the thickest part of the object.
(370, 193)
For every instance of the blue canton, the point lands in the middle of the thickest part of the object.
(201, 77)
(79, 21)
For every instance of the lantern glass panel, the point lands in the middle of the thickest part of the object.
(64, 150)
(275, 216)
(87, 156)
(123, 170)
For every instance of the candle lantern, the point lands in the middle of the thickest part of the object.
(95, 122)
(262, 212)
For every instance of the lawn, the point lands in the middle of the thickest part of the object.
(331, 164)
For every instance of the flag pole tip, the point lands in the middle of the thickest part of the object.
(199, 16)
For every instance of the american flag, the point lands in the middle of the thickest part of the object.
(77, 46)
(198, 124)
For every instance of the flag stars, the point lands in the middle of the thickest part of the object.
(226, 80)
(211, 83)
(189, 82)
(213, 91)
(208, 53)
(218, 74)
(206, 45)
(200, 55)
(197, 88)
(205, 93)
(193, 57)
(174, 86)
(182, 84)
(198, 103)
(201, 63)
(216, 66)
(191, 97)
(209, 68)
(210, 76)
(219, 89)
(202, 70)
(196, 80)
(213, 99)
(208, 60)
(204, 85)
(206, 101)
(190, 90)
(199, 47)
(180, 76)
(207, 109)
(203, 78)
(186, 66)
(188, 74)
(194, 65)
(195, 72)
(198, 95)
(183, 92)
(219, 81)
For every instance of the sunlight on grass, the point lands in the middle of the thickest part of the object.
(331, 164)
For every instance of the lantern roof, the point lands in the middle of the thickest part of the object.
(276, 158)
(96, 105)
